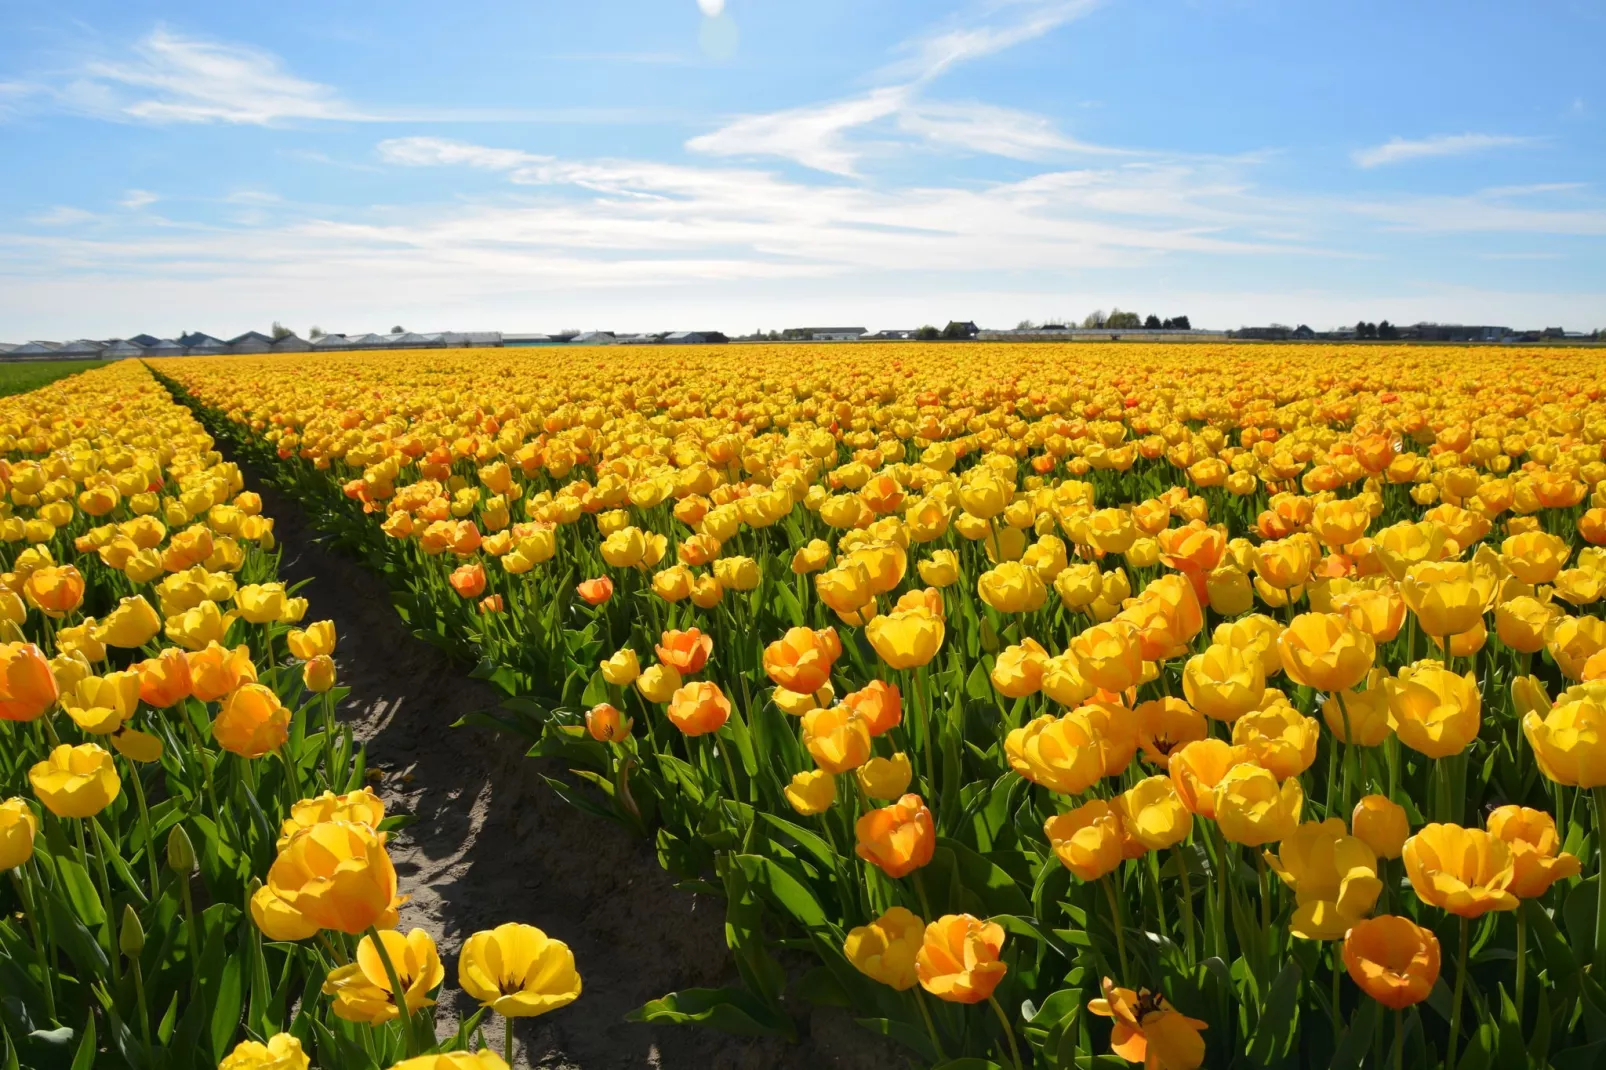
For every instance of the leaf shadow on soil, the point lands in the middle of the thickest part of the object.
(492, 843)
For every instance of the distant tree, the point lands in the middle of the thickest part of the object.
(315, 331)
(1180, 323)
(281, 331)
(1026, 325)
(956, 331)
(1093, 320)
(1385, 329)
(1152, 322)
(1365, 330)
(1123, 319)
(398, 330)
(928, 333)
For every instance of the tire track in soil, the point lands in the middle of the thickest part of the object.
(493, 843)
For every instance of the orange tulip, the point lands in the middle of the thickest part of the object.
(897, 839)
(1392, 959)
(1149, 1030)
(595, 592)
(687, 652)
(801, 659)
(879, 703)
(27, 686)
(698, 708)
(958, 962)
(1465, 871)
(252, 722)
(214, 671)
(468, 580)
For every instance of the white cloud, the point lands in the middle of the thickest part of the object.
(816, 135)
(711, 8)
(1399, 150)
(135, 199)
(63, 216)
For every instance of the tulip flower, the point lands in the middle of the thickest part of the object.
(1280, 738)
(1153, 814)
(1448, 597)
(606, 724)
(1165, 724)
(18, 827)
(484, 1059)
(318, 675)
(1333, 876)
(885, 950)
(1224, 682)
(1569, 739)
(905, 639)
(1392, 959)
(1058, 753)
(362, 989)
(76, 781)
(897, 839)
(879, 704)
(1467, 872)
(958, 959)
(209, 674)
(1435, 711)
(54, 590)
(1019, 669)
(251, 722)
(1109, 655)
(1381, 824)
(1253, 809)
(1114, 731)
(658, 683)
(621, 668)
(337, 875)
(837, 738)
(317, 638)
(698, 708)
(1149, 1030)
(518, 971)
(885, 778)
(100, 704)
(28, 688)
(801, 660)
(1087, 840)
(1011, 587)
(1196, 768)
(281, 1052)
(594, 592)
(1325, 651)
(687, 651)
(132, 624)
(811, 792)
(1536, 858)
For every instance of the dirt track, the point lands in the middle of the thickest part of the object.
(492, 843)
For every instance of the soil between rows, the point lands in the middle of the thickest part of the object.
(492, 843)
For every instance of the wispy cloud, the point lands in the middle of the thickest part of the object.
(135, 199)
(818, 135)
(1400, 150)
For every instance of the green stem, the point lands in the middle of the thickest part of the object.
(1187, 900)
(925, 904)
(1460, 988)
(397, 992)
(1600, 902)
(927, 743)
(1522, 955)
(94, 855)
(1003, 1019)
(46, 974)
(145, 827)
(1399, 1040)
(1120, 926)
(931, 1026)
(507, 1040)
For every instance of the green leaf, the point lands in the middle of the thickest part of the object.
(969, 1062)
(226, 1006)
(1274, 1036)
(578, 800)
(81, 891)
(811, 842)
(85, 1058)
(909, 1036)
(783, 888)
(999, 892)
(1356, 1042)
(730, 1010)
(1480, 1049)
(820, 987)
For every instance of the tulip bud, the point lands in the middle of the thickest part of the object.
(131, 936)
(180, 852)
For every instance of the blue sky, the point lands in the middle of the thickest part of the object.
(681, 164)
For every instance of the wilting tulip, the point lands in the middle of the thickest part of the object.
(1569, 739)
(1436, 712)
(906, 639)
(1253, 809)
(1536, 858)
(687, 651)
(897, 839)
(606, 724)
(1152, 813)
(1465, 871)
(518, 971)
(958, 959)
(885, 950)
(837, 738)
(1165, 724)
(1381, 824)
(1224, 682)
(1280, 738)
(811, 792)
(1333, 876)
(1058, 753)
(251, 722)
(885, 778)
(337, 875)
(281, 1052)
(1149, 1030)
(1196, 768)
(1325, 651)
(208, 673)
(879, 704)
(1392, 959)
(18, 827)
(28, 688)
(362, 991)
(76, 781)
(698, 708)
(1087, 840)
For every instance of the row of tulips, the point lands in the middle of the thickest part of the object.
(195, 874)
(1186, 713)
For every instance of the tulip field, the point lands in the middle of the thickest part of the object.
(1037, 705)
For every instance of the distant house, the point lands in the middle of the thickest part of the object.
(961, 329)
(1275, 333)
(165, 347)
(80, 349)
(251, 342)
(201, 345)
(121, 348)
(144, 339)
(6, 347)
(823, 334)
(693, 338)
(331, 341)
(1303, 333)
(519, 340)
(1456, 332)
